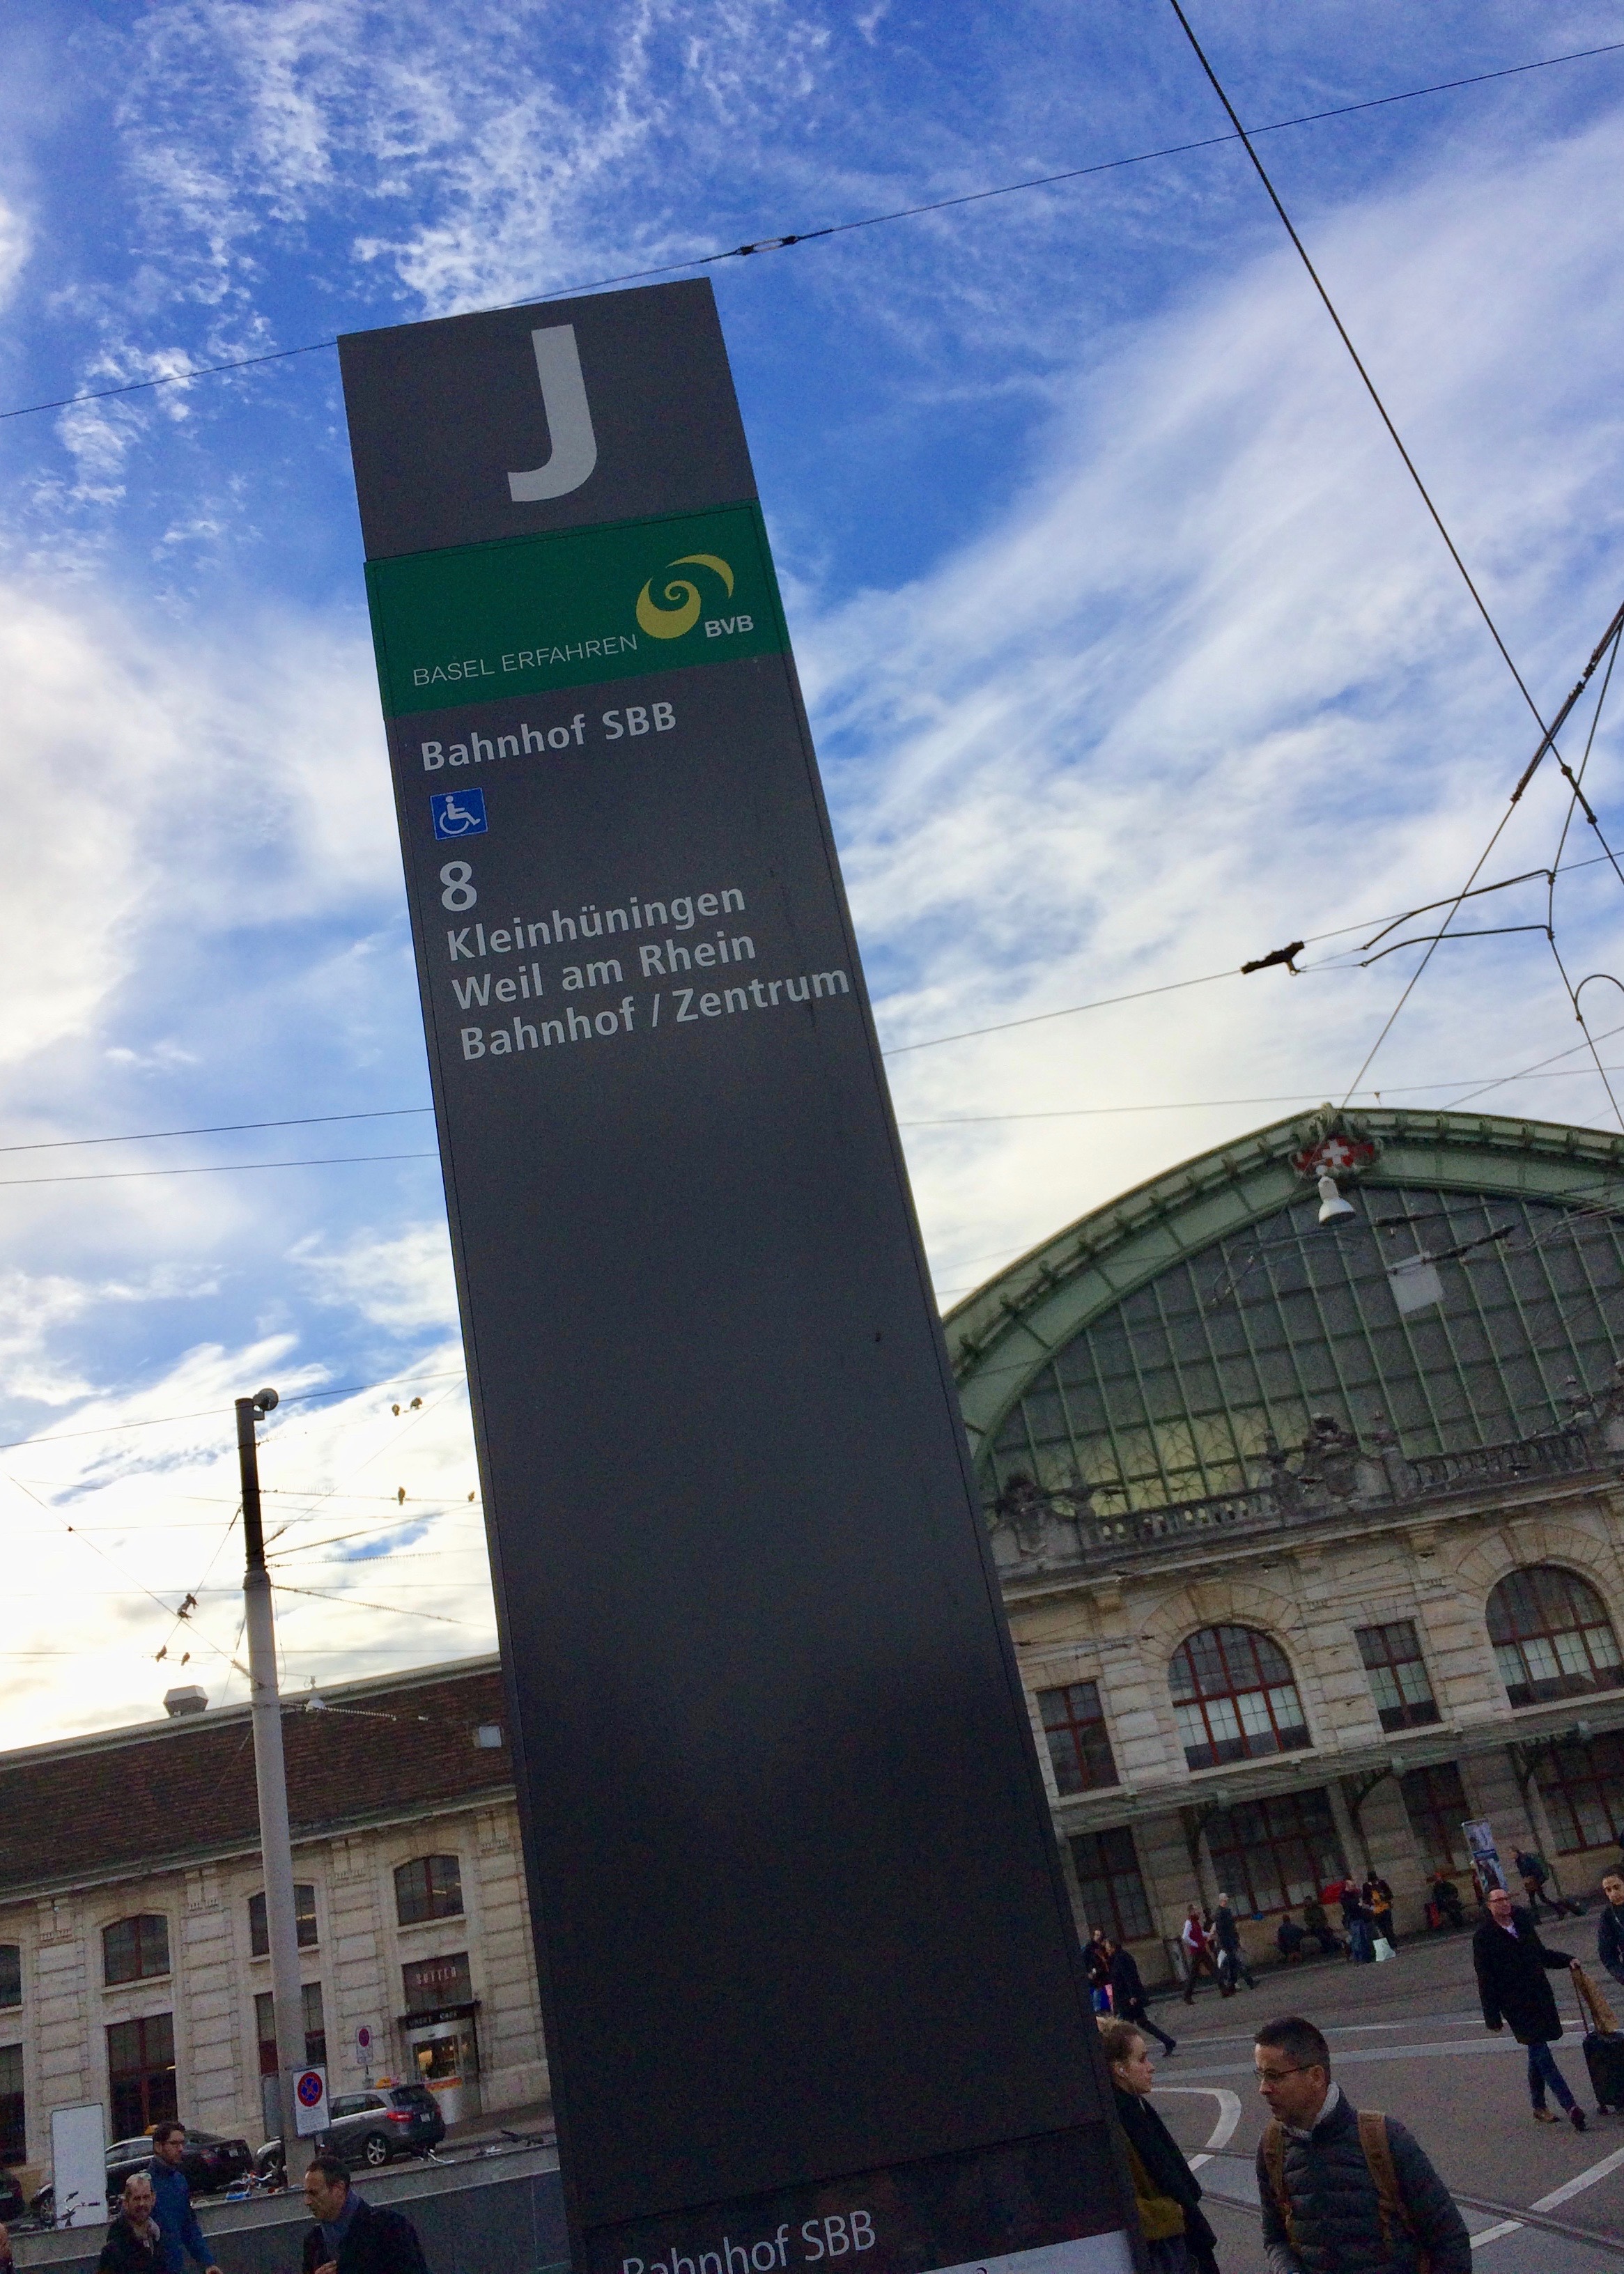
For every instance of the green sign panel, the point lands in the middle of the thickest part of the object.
(470, 623)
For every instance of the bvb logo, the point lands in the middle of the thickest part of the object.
(671, 623)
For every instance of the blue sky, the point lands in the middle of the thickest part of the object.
(1130, 652)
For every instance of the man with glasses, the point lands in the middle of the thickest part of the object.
(1512, 1963)
(1343, 2189)
(180, 2235)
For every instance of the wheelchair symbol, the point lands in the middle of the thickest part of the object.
(459, 813)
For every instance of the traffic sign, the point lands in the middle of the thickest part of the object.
(310, 2096)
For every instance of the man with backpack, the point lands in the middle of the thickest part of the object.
(1342, 2188)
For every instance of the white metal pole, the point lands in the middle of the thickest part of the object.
(270, 1775)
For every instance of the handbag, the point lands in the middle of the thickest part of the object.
(1384, 1949)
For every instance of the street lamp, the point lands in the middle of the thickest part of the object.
(270, 1776)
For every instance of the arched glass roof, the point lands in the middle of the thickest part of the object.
(1159, 1348)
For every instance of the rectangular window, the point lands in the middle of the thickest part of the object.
(1109, 1882)
(432, 1981)
(11, 1973)
(135, 1950)
(1435, 1804)
(428, 1888)
(315, 2028)
(1080, 1746)
(304, 1916)
(1582, 1787)
(13, 2128)
(1272, 1855)
(1398, 1675)
(140, 2071)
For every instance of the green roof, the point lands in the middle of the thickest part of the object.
(1001, 1335)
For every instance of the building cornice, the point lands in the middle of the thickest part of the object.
(1402, 1749)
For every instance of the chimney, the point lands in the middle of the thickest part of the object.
(190, 1698)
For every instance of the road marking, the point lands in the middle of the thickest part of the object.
(1574, 2186)
(1229, 2117)
(1585, 2180)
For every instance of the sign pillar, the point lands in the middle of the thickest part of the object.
(809, 1979)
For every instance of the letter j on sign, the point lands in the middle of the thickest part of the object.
(811, 1983)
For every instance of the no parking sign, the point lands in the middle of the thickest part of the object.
(309, 2100)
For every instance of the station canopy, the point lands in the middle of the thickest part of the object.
(1164, 1348)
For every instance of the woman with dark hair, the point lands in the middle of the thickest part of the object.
(1177, 2239)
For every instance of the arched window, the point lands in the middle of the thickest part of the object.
(1551, 1636)
(134, 1949)
(1234, 1698)
(428, 1888)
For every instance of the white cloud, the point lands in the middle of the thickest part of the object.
(1213, 684)
(148, 1485)
(16, 245)
(400, 1281)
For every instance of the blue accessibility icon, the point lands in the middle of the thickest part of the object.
(459, 813)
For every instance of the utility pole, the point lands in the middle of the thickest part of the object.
(270, 1775)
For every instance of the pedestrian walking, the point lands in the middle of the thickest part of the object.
(1231, 1953)
(352, 2236)
(133, 2244)
(1512, 1963)
(1177, 2238)
(1342, 2190)
(180, 2235)
(1534, 1873)
(1129, 2002)
(1097, 1967)
(1198, 1957)
(1610, 1926)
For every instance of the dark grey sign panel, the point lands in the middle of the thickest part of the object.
(809, 1979)
(556, 416)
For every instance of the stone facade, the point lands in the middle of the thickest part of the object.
(361, 1947)
(1101, 1605)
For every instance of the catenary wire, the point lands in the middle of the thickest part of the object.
(840, 229)
(208, 1413)
(1370, 384)
(1413, 982)
(211, 1169)
(1207, 1104)
(371, 1113)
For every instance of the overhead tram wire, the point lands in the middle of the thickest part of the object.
(895, 1050)
(1370, 384)
(1548, 741)
(1608, 640)
(839, 229)
(208, 1412)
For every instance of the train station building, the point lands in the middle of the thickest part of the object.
(1307, 1501)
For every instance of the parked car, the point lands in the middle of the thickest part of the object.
(211, 2164)
(374, 2127)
